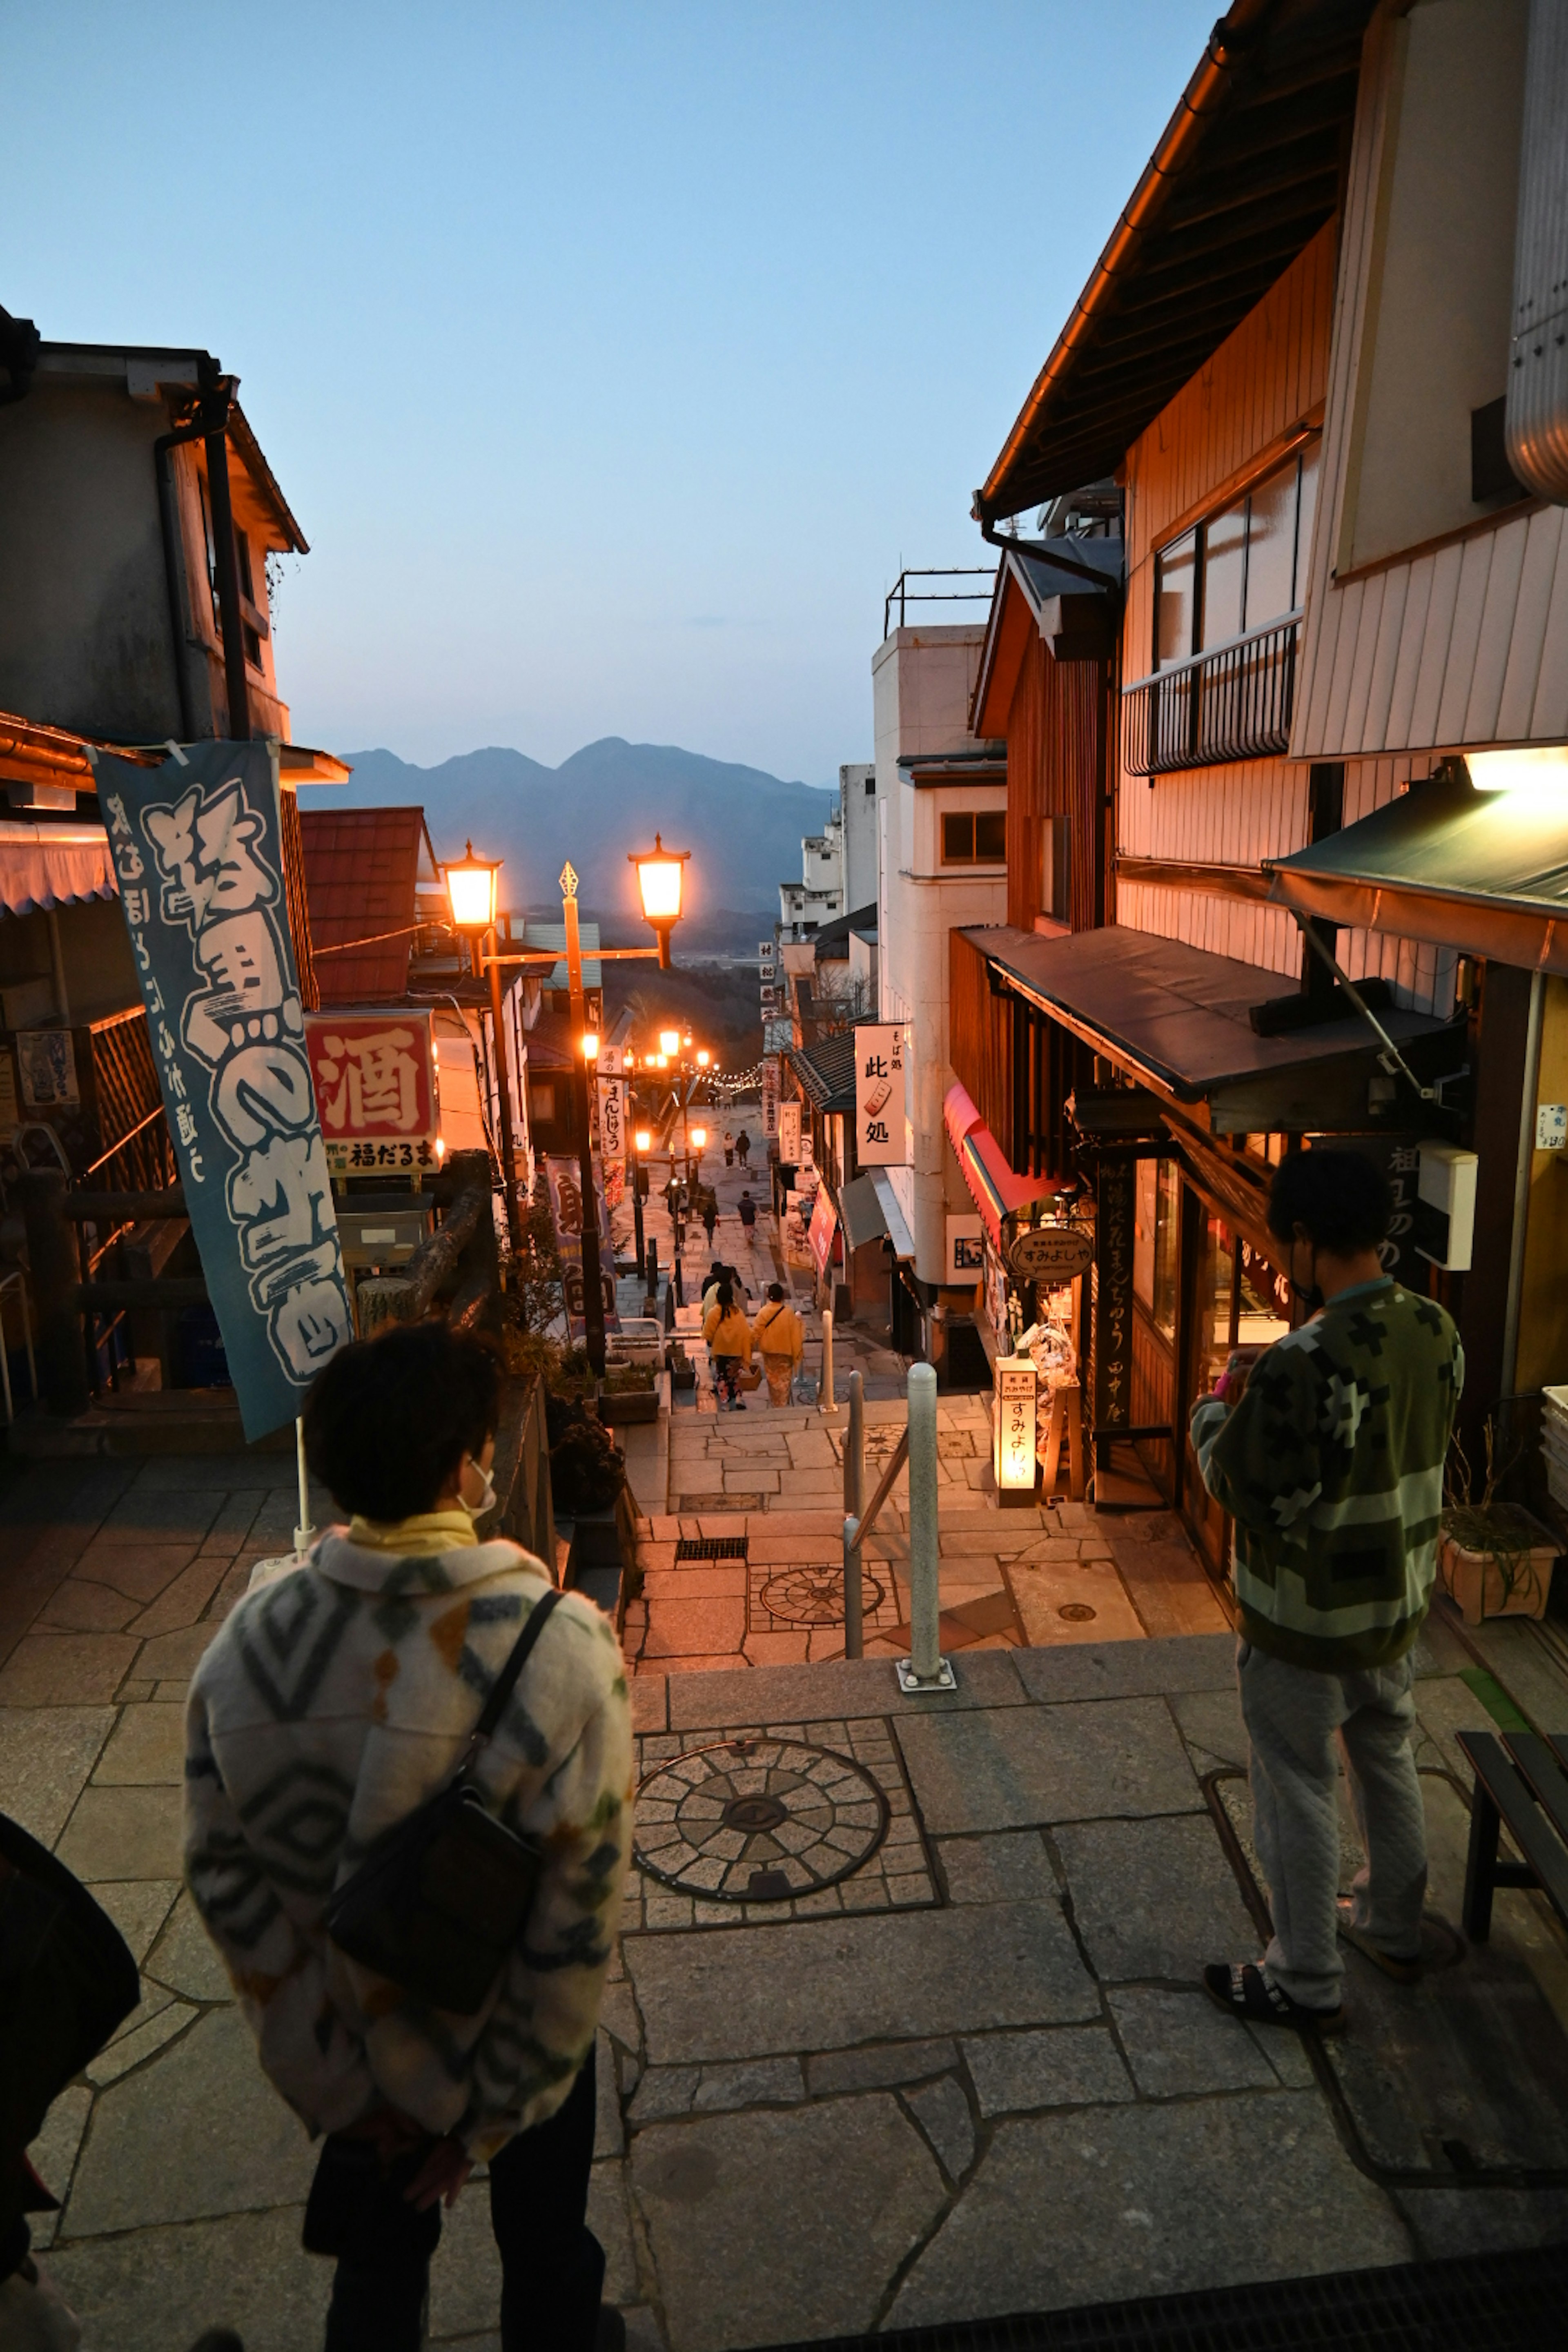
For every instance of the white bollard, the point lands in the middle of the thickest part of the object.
(304, 1534)
(925, 1669)
(825, 1395)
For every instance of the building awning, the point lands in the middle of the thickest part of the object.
(44, 865)
(860, 1213)
(898, 1233)
(1483, 872)
(827, 1071)
(997, 1190)
(1176, 1018)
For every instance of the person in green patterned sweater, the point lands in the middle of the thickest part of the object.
(1328, 1453)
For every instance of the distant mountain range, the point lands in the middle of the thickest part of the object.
(743, 826)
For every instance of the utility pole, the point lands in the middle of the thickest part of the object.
(593, 1292)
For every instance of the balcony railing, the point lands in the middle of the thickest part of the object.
(1234, 703)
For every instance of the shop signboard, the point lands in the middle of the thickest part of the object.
(879, 1094)
(765, 955)
(824, 1225)
(768, 996)
(377, 1091)
(1050, 1254)
(966, 1251)
(789, 1133)
(48, 1058)
(1113, 1295)
(564, 1177)
(769, 1099)
(797, 1217)
(807, 1156)
(612, 1117)
(197, 847)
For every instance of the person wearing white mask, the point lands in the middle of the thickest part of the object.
(335, 1703)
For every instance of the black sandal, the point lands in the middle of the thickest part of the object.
(1242, 1991)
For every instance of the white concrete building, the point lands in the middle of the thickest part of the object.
(942, 802)
(838, 864)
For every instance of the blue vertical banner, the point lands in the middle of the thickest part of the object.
(197, 846)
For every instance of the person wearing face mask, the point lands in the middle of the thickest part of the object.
(1327, 1453)
(337, 1700)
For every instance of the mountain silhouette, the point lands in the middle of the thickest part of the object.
(743, 826)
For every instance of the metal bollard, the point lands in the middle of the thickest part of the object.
(824, 1394)
(855, 1450)
(925, 1669)
(854, 1591)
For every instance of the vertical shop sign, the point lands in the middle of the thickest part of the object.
(789, 1133)
(824, 1225)
(771, 1098)
(1113, 1297)
(197, 846)
(564, 1176)
(879, 1094)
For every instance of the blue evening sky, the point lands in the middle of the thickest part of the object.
(613, 358)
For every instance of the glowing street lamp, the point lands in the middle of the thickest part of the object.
(590, 1045)
(661, 876)
(703, 1057)
(699, 1137)
(471, 891)
(471, 885)
(643, 1139)
(669, 1044)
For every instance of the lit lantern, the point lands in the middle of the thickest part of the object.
(668, 1044)
(698, 1138)
(660, 874)
(643, 1139)
(590, 1045)
(1013, 1412)
(472, 890)
(703, 1058)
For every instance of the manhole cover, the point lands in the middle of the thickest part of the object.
(758, 1820)
(815, 1596)
(1077, 1612)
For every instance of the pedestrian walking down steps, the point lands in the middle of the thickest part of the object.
(360, 1676)
(729, 1337)
(1328, 1451)
(779, 1336)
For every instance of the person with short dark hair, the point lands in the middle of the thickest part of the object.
(337, 1699)
(743, 1147)
(1327, 1453)
(780, 1336)
(746, 1210)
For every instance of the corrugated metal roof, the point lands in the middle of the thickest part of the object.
(360, 871)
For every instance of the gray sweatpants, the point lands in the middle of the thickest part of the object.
(1292, 1714)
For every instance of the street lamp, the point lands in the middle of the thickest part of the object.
(471, 885)
(660, 875)
(641, 1139)
(668, 1044)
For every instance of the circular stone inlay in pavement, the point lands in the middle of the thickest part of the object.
(758, 1820)
(1077, 1612)
(815, 1596)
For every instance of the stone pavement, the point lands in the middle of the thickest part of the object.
(929, 2046)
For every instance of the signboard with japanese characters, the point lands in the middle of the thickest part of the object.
(965, 1239)
(879, 1094)
(565, 1175)
(1050, 1254)
(377, 1091)
(789, 1133)
(765, 955)
(771, 1098)
(824, 1225)
(612, 1117)
(197, 849)
(1113, 1297)
(48, 1059)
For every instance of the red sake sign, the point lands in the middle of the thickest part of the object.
(374, 1074)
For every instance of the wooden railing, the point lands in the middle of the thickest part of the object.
(135, 1154)
(1235, 703)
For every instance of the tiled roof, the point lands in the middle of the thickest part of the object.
(359, 870)
(827, 1071)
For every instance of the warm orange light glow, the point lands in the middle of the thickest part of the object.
(662, 1061)
(1013, 1407)
(703, 1058)
(472, 890)
(668, 1043)
(659, 876)
(643, 1139)
(590, 1045)
(698, 1138)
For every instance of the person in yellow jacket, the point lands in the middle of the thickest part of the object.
(779, 1336)
(729, 1337)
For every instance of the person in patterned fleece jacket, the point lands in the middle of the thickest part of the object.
(336, 1700)
(1329, 1456)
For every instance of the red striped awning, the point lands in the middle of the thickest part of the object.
(996, 1191)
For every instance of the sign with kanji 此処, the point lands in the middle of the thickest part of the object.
(376, 1091)
(879, 1094)
(197, 849)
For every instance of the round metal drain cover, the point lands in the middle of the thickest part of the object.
(815, 1596)
(1077, 1612)
(758, 1820)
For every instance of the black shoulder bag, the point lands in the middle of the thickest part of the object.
(443, 1896)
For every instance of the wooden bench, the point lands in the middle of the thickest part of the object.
(1521, 1780)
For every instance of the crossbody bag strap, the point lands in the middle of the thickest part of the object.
(505, 1682)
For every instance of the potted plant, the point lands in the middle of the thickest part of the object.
(682, 1370)
(627, 1393)
(1494, 1558)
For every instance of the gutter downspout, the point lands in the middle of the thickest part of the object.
(218, 393)
(174, 567)
(1105, 581)
(1522, 1170)
(1205, 94)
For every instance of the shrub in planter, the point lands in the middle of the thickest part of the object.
(627, 1380)
(1494, 1558)
(587, 1468)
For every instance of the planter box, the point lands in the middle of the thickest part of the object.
(628, 1404)
(1475, 1583)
